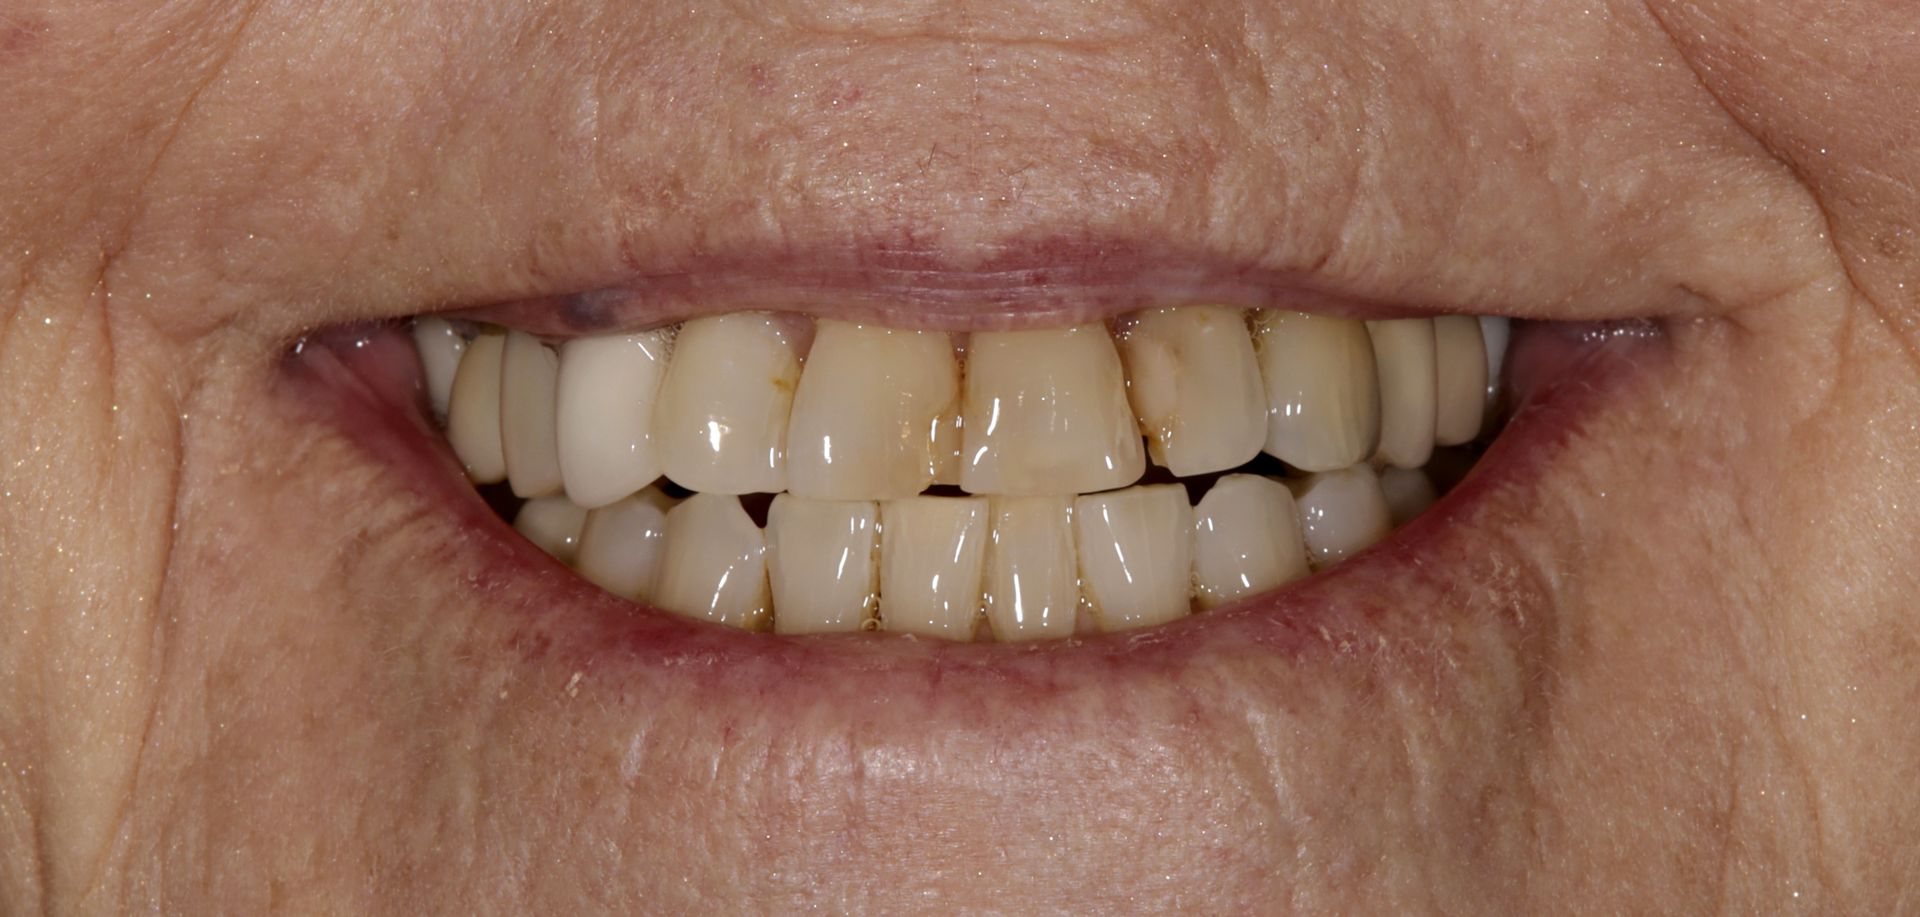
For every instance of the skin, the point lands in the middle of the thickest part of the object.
(1667, 666)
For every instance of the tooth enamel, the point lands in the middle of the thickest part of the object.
(1323, 396)
(868, 411)
(932, 550)
(1408, 492)
(605, 404)
(621, 544)
(720, 423)
(1403, 355)
(946, 449)
(1494, 333)
(821, 563)
(1135, 551)
(440, 347)
(1195, 386)
(528, 371)
(553, 525)
(715, 564)
(473, 411)
(1032, 584)
(1246, 539)
(1046, 413)
(1460, 369)
(1341, 513)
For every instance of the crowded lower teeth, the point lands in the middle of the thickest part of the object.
(987, 486)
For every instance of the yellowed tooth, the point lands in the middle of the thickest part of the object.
(473, 411)
(1246, 540)
(1341, 513)
(621, 544)
(715, 563)
(1135, 552)
(1323, 395)
(605, 414)
(946, 449)
(1460, 367)
(720, 422)
(552, 524)
(1408, 492)
(1046, 413)
(1404, 356)
(1195, 387)
(528, 371)
(932, 550)
(822, 562)
(1033, 583)
(867, 414)
(440, 347)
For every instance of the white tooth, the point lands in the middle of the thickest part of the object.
(1135, 552)
(1494, 332)
(1246, 539)
(621, 545)
(1403, 355)
(821, 562)
(553, 525)
(1046, 413)
(932, 550)
(1323, 397)
(440, 347)
(1195, 386)
(1460, 368)
(1033, 585)
(606, 393)
(720, 425)
(946, 449)
(714, 565)
(868, 411)
(473, 411)
(1341, 513)
(528, 371)
(1408, 492)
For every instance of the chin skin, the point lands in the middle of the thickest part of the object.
(1660, 659)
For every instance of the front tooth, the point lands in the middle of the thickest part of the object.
(1408, 492)
(1046, 413)
(1460, 367)
(1032, 587)
(473, 411)
(721, 419)
(1403, 353)
(528, 372)
(820, 560)
(1246, 539)
(1135, 550)
(621, 544)
(946, 449)
(553, 524)
(932, 550)
(715, 563)
(1195, 386)
(1323, 396)
(867, 414)
(1341, 512)
(440, 347)
(606, 395)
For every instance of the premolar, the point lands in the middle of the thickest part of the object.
(1341, 513)
(528, 371)
(621, 544)
(1403, 354)
(473, 415)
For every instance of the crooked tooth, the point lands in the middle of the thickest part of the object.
(1046, 413)
(473, 411)
(1135, 553)
(528, 372)
(715, 563)
(1404, 356)
(720, 422)
(1032, 584)
(1408, 492)
(1323, 396)
(932, 550)
(606, 395)
(1195, 386)
(1460, 368)
(1246, 539)
(867, 415)
(621, 544)
(440, 347)
(553, 524)
(821, 563)
(1341, 513)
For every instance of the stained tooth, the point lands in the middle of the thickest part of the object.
(1408, 492)
(553, 525)
(1494, 333)
(821, 562)
(606, 395)
(1403, 354)
(621, 544)
(528, 371)
(1046, 413)
(932, 550)
(715, 564)
(473, 411)
(1135, 550)
(868, 410)
(1032, 585)
(440, 347)
(1460, 366)
(1195, 386)
(1341, 513)
(1323, 396)
(1246, 539)
(720, 424)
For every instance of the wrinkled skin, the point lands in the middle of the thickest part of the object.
(244, 667)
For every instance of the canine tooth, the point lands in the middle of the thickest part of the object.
(1046, 413)
(1246, 539)
(553, 525)
(932, 550)
(866, 415)
(820, 561)
(720, 423)
(1341, 513)
(714, 565)
(1033, 586)
(1408, 492)
(621, 544)
(1403, 354)
(440, 347)
(1135, 553)
(605, 405)
(528, 371)
(1460, 368)
(1495, 330)
(1195, 386)
(473, 411)
(1323, 396)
